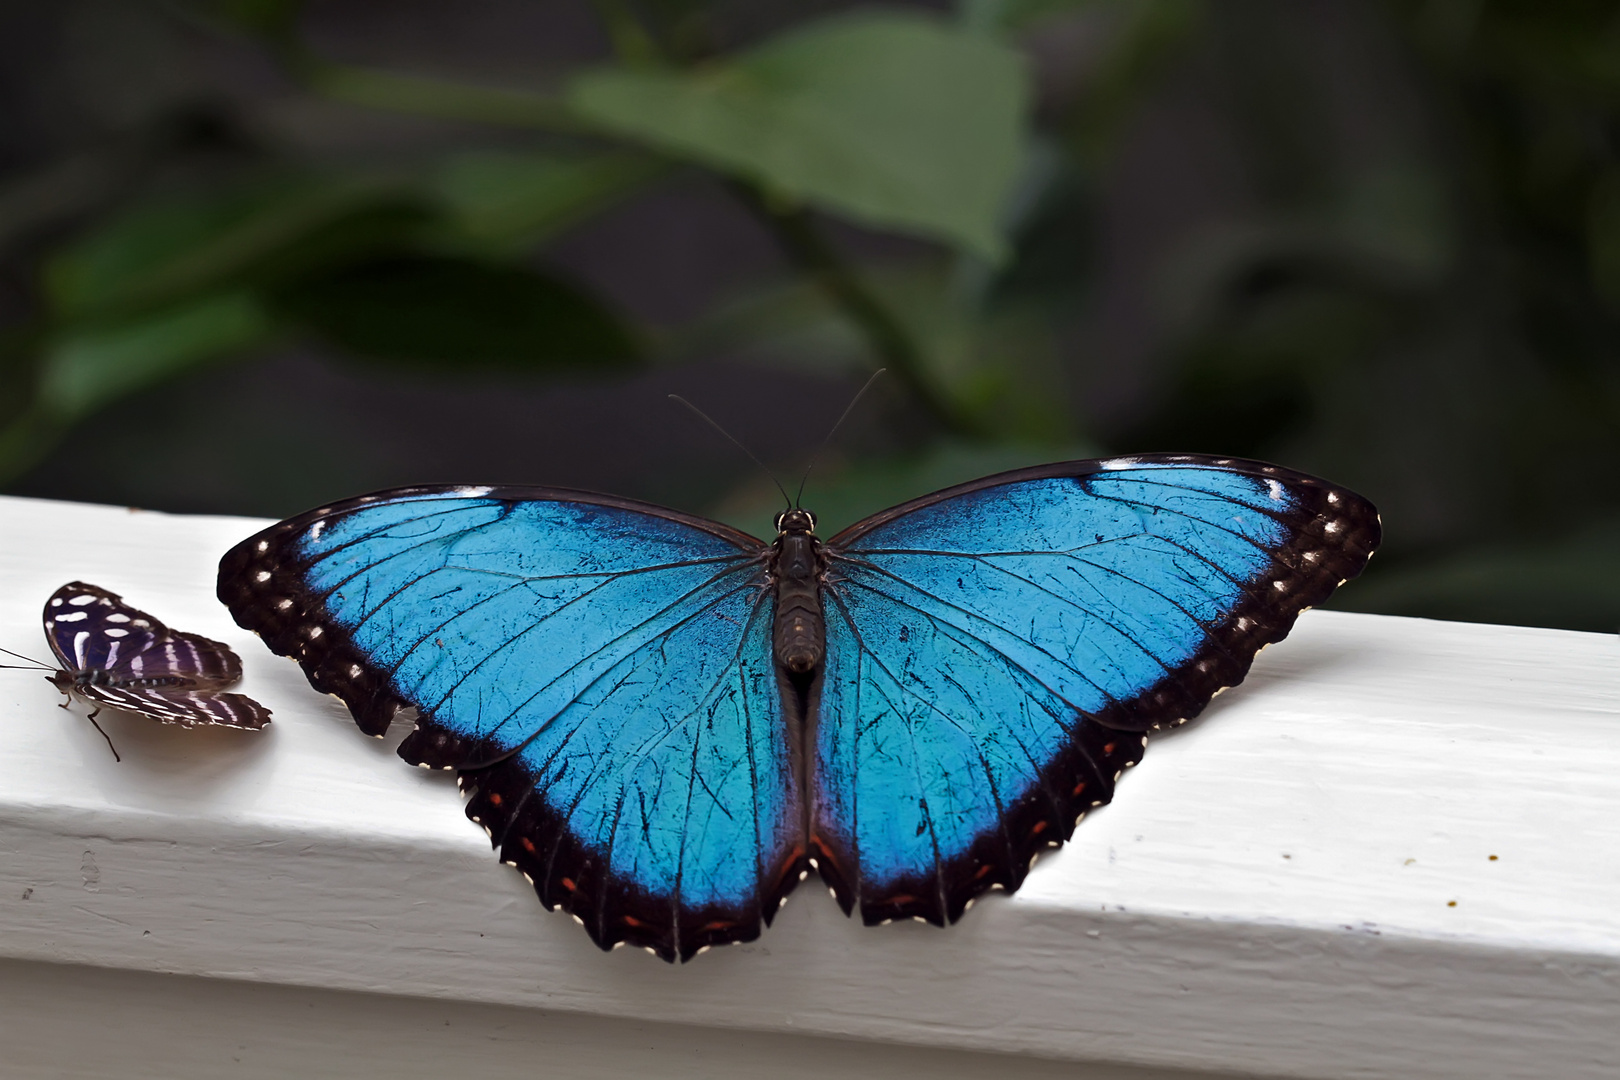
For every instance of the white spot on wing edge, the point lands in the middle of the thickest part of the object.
(1277, 492)
(1115, 464)
(316, 529)
(473, 492)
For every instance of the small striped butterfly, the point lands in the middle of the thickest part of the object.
(117, 657)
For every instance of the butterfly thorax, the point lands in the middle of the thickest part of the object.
(796, 569)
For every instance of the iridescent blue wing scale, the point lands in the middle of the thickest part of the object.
(598, 671)
(996, 652)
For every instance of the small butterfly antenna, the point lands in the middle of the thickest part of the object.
(30, 659)
(104, 735)
(834, 430)
(734, 441)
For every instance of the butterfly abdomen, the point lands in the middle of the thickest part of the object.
(798, 631)
(103, 677)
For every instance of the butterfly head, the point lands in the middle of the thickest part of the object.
(795, 521)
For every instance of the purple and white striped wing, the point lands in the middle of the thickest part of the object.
(179, 705)
(92, 629)
(142, 666)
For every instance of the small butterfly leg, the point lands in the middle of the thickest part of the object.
(92, 718)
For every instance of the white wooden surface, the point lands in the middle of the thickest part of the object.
(1300, 884)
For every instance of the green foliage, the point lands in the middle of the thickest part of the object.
(996, 363)
(1423, 304)
(459, 315)
(160, 253)
(896, 121)
(508, 203)
(270, 18)
(85, 369)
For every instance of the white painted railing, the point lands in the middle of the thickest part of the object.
(1393, 852)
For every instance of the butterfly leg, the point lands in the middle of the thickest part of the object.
(92, 718)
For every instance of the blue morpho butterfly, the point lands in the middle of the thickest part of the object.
(666, 723)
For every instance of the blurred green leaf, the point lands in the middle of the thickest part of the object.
(268, 17)
(998, 365)
(459, 314)
(508, 202)
(156, 255)
(444, 98)
(895, 120)
(85, 369)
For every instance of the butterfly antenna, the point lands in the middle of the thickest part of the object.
(30, 659)
(834, 430)
(734, 441)
(104, 735)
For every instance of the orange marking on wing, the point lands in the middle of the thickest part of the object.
(528, 845)
(1108, 748)
(568, 883)
(1040, 827)
(1078, 788)
(981, 871)
(631, 920)
(720, 924)
(494, 798)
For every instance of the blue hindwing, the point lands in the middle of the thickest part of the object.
(995, 654)
(600, 674)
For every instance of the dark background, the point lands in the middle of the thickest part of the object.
(1375, 241)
